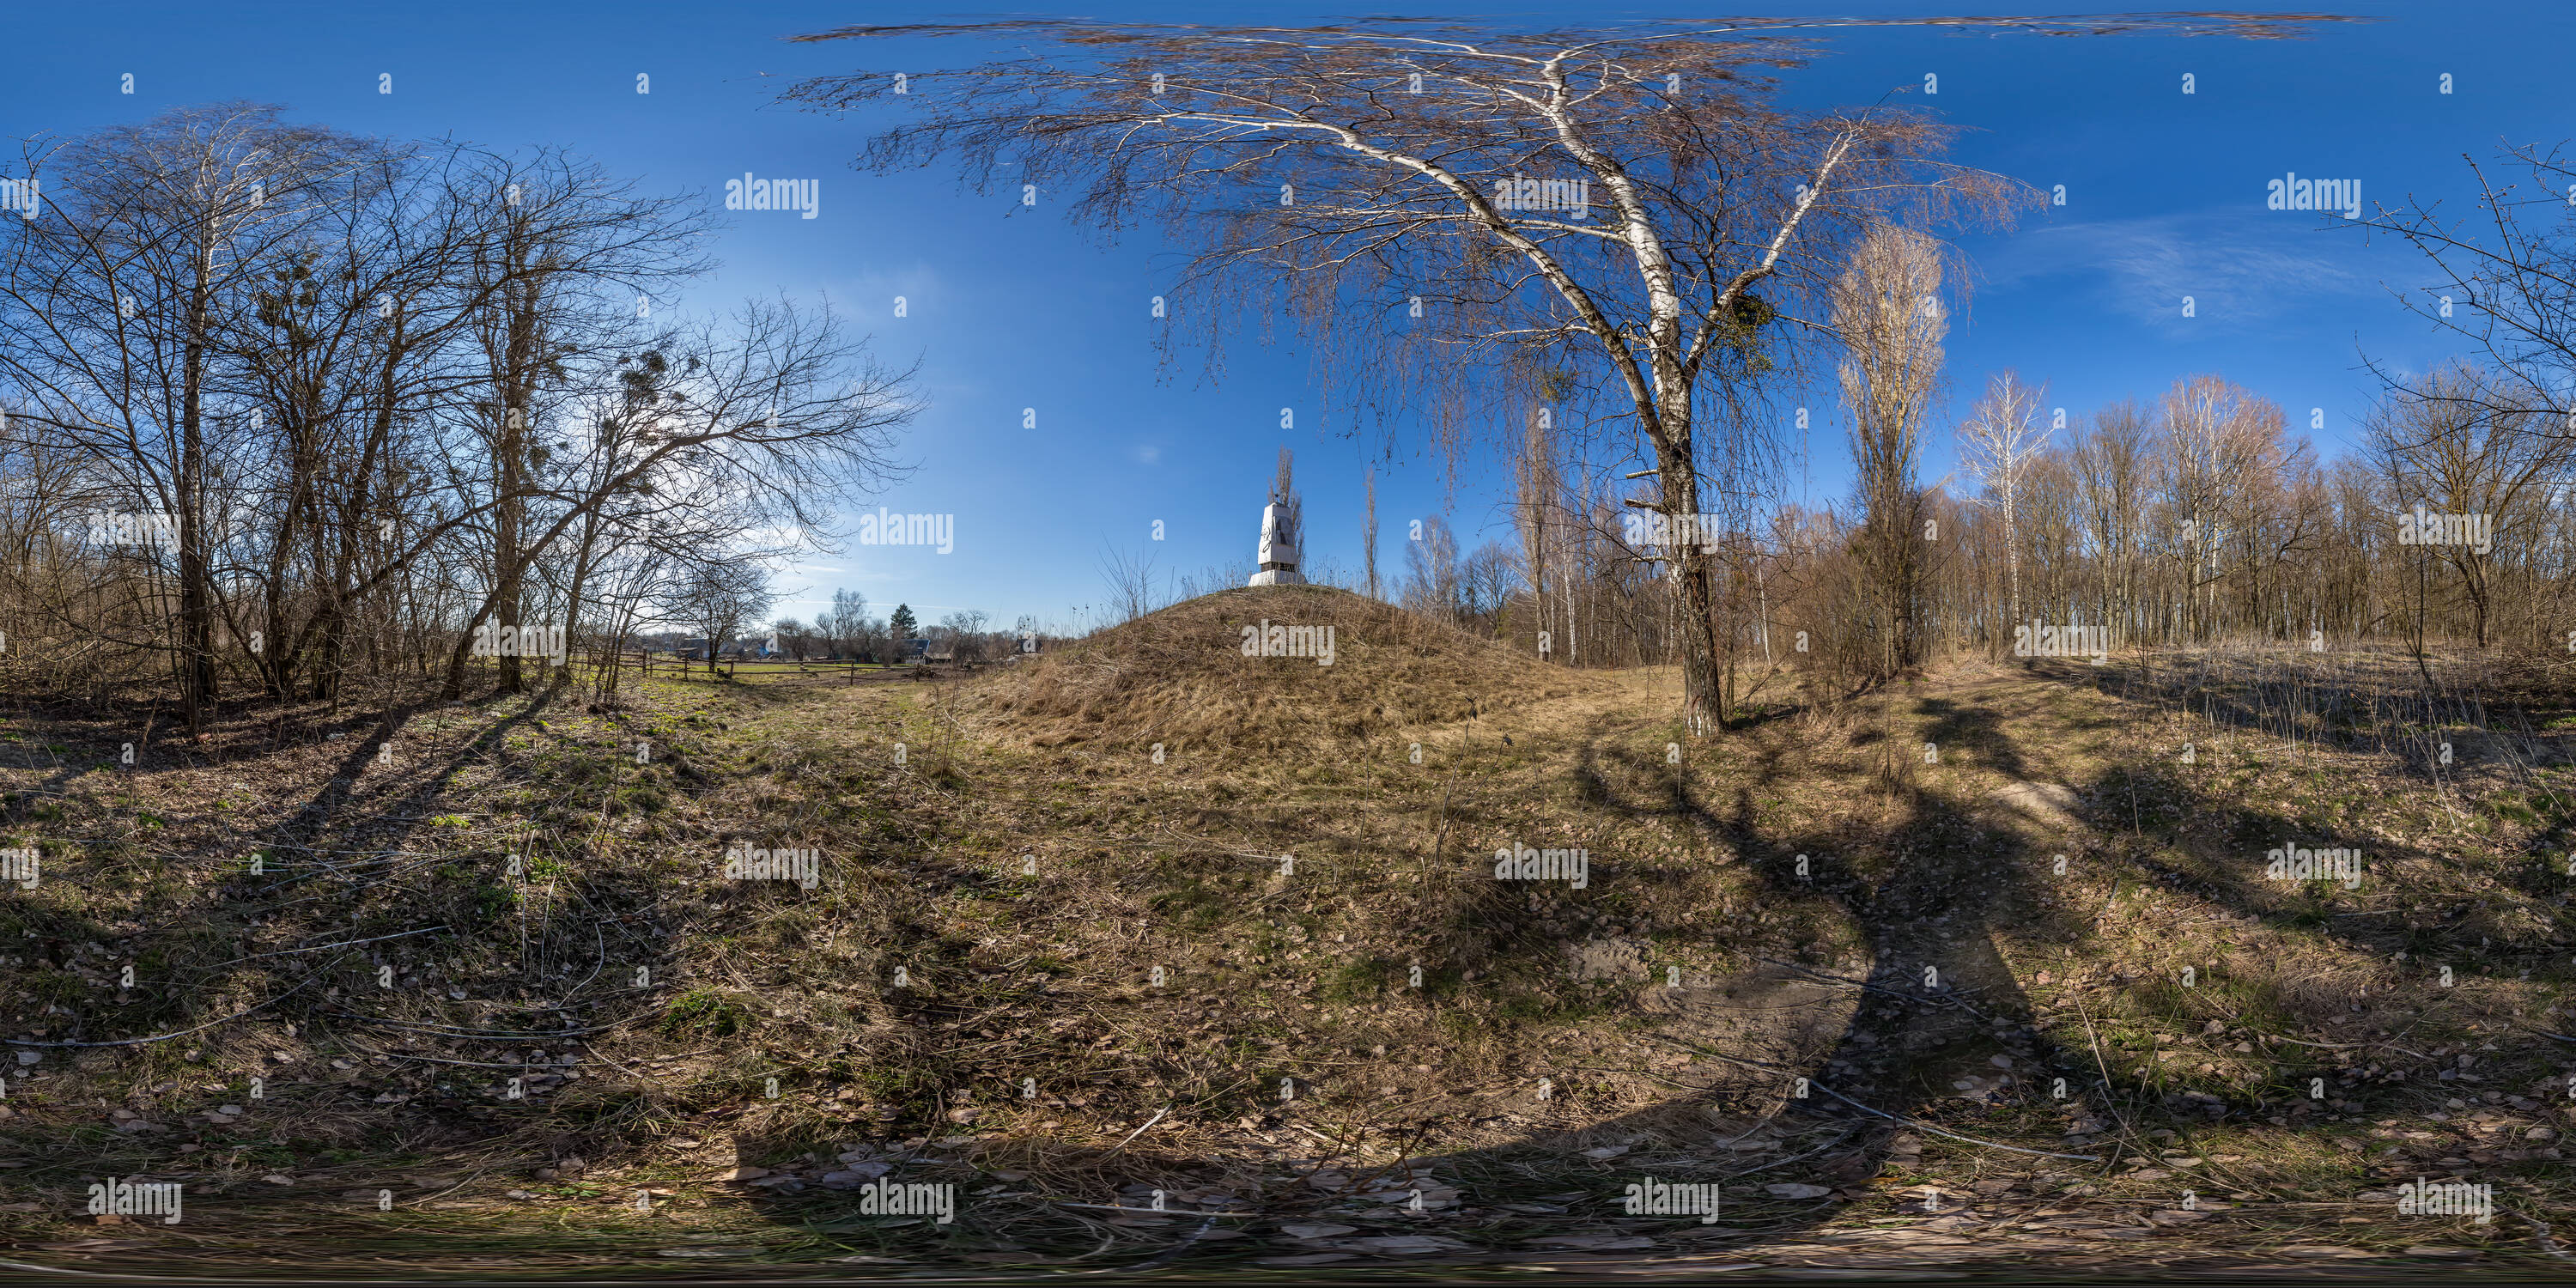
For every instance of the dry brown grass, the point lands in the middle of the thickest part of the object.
(1179, 677)
(1272, 975)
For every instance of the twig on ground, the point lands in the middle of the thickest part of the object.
(1881, 1113)
(345, 943)
(164, 1037)
(1140, 1130)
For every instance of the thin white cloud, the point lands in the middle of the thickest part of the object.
(2240, 270)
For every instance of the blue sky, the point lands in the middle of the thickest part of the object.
(1010, 310)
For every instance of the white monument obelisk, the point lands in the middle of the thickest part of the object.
(1278, 552)
(1282, 524)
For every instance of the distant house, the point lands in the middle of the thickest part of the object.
(915, 650)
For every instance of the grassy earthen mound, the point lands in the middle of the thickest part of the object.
(1181, 677)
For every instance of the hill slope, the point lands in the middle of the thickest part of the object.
(1181, 676)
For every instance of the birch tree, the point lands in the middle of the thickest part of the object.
(1459, 216)
(1998, 442)
(2212, 432)
(1368, 538)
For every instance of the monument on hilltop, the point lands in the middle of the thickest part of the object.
(1282, 530)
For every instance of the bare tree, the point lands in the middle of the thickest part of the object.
(717, 600)
(1487, 583)
(560, 254)
(1368, 538)
(336, 403)
(1132, 592)
(120, 302)
(849, 618)
(1379, 167)
(1997, 443)
(1533, 509)
(2453, 442)
(2213, 432)
(1888, 309)
(1431, 585)
(2514, 280)
(2110, 461)
(758, 420)
(794, 638)
(966, 631)
(1290, 507)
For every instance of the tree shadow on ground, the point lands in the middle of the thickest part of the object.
(1940, 1030)
(1938, 1034)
